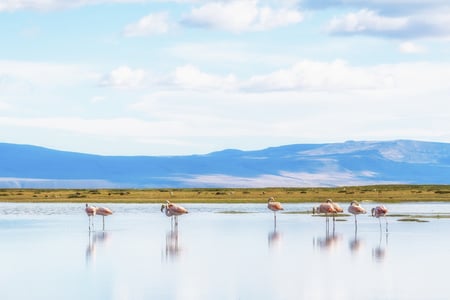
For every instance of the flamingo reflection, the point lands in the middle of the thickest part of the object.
(95, 239)
(379, 252)
(173, 248)
(356, 243)
(274, 236)
(329, 241)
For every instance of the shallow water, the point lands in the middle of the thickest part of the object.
(47, 252)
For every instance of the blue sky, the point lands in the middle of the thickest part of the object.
(182, 77)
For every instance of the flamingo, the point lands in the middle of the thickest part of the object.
(173, 210)
(103, 211)
(326, 208)
(274, 206)
(356, 209)
(380, 211)
(90, 211)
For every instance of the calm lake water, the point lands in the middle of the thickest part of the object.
(47, 252)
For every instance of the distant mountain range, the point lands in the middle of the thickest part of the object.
(300, 165)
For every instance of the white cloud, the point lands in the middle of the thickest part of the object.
(326, 76)
(152, 24)
(27, 75)
(190, 77)
(124, 77)
(239, 16)
(411, 48)
(366, 21)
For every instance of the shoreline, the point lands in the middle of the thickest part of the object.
(372, 193)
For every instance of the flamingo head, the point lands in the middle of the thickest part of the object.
(271, 199)
(373, 211)
(162, 207)
(329, 201)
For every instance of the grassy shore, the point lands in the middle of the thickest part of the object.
(376, 193)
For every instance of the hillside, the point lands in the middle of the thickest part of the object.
(300, 165)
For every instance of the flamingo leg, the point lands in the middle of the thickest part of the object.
(386, 225)
(103, 223)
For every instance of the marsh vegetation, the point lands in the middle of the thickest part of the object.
(376, 193)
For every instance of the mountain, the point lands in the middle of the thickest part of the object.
(300, 165)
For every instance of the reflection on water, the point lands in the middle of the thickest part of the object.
(379, 251)
(274, 236)
(356, 243)
(228, 255)
(172, 249)
(95, 240)
(330, 239)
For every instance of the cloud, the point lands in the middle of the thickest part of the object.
(366, 21)
(124, 77)
(240, 16)
(28, 75)
(190, 77)
(411, 48)
(315, 75)
(152, 24)
(369, 22)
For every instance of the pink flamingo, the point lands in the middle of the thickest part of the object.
(173, 210)
(90, 211)
(356, 209)
(380, 211)
(103, 211)
(274, 206)
(326, 208)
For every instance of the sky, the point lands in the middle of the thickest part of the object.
(181, 77)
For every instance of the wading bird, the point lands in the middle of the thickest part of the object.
(90, 211)
(103, 211)
(356, 209)
(327, 208)
(173, 210)
(380, 211)
(274, 206)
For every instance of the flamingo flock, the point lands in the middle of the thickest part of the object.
(328, 208)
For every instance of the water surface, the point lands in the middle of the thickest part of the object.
(220, 251)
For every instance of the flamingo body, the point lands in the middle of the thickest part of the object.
(273, 205)
(379, 211)
(103, 211)
(173, 211)
(356, 209)
(90, 211)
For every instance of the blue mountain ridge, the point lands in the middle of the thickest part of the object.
(299, 165)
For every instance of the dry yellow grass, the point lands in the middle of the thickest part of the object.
(379, 193)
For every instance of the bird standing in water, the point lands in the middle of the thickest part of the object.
(103, 211)
(173, 211)
(90, 211)
(356, 209)
(274, 206)
(380, 211)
